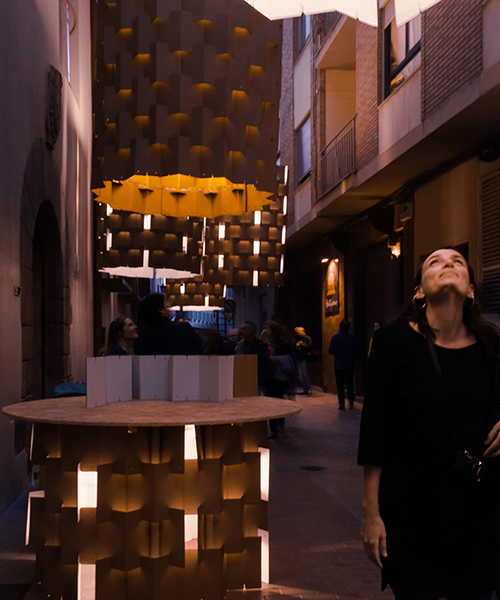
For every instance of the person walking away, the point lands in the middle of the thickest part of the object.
(343, 347)
(303, 353)
(283, 370)
(159, 335)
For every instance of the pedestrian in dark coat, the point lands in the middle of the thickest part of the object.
(343, 347)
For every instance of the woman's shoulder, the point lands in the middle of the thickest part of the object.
(395, 330)
(117, 351)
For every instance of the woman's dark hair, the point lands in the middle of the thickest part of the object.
(115, 335)
(485, 333)
(150, 308)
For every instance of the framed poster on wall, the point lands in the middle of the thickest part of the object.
(332, 289)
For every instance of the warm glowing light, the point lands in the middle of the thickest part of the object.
(191, 532)
(282, 263)
(183, 288)
(395, 250)
(207, 300)
(325, 260)
(256, 247)
(86, 581)
(87, 489)
(109, 240)
(145, 260)
(265, 463)
(37, 494)
(255, 282)
(109, 210)
(190, 449)
(285, 176)
(285, 205)
(222, 231)
(264, 573)
(257, 218)
(221, 261)
(147, 222)
(283, 234)
(224, 291)
(336, 260)
(185, 244)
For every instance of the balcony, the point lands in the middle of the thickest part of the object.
(324, 24)
(338, 158)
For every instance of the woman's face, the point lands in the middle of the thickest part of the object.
(129, 330)
(445, 271)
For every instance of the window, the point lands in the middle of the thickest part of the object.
(304, 151)
(401, 50)
(304, 30)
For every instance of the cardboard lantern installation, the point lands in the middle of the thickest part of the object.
(364, 10)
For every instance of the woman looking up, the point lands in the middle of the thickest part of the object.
(429, 442)
(121, 335)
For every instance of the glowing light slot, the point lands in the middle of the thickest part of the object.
(183, 288)
(264, 565)
(109, 210)
(191, 532)
(207, 300)
(86, 581)
(221, 261)
(285, 176)
(87, 489)
(37, 494)
(222, 231)
(224, 291)
(255, 282)
(283, 234)
(109, 240)
(256, 247)
(190, 449)
(257, 218)
(325, 260)
(265, 465)
(282, 263)
(185, 244)
(285, 205)
(147, 222)
(145, 260)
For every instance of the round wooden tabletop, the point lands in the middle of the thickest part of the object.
(152, 413)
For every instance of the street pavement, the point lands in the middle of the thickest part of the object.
(314, 516)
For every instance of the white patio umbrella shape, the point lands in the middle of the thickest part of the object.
(365, 11)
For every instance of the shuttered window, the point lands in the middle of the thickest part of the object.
(490, 263)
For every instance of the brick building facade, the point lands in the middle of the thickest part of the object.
(405, 157)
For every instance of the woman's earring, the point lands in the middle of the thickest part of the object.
(469, 302)
(419, 303)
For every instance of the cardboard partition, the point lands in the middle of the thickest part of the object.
(151, 377)
(245, 375)
(109, 379)
(216, 378)
(185, 377)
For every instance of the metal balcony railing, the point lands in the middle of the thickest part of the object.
(325, 22)
(338, 159)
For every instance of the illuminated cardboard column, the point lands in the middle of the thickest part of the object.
(186, 107)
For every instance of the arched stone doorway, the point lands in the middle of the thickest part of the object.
(45, 299)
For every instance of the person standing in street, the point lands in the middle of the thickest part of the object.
(303, 353)
(343, 347)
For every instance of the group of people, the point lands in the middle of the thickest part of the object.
(430, 427)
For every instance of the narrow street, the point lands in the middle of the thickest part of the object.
(315, 515)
